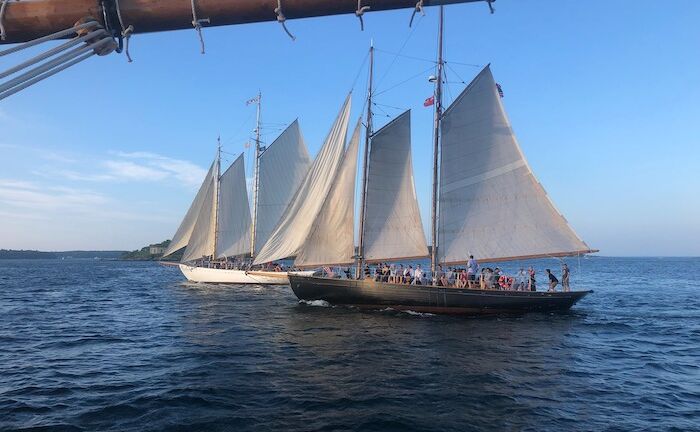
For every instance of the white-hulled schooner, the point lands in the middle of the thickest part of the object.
(486, 203)
(218, 232)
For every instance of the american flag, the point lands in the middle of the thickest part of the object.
(256, 99)
(500, 90)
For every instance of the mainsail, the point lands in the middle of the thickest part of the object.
(296, 222)
(393, 227)
(491, 204)
(233, 225)
(283, 165)
(331, 240)
(182, 236)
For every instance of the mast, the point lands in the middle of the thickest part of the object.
(365, 167)
(256, 178)
(436, 144)
(218, 190)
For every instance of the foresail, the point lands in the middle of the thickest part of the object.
(393, 227)
(201, 241)
(283, 165)
(294, 225)
(491, 204)
(233, 227)
(332, 237)
(182, 236)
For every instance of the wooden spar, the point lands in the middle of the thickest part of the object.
(28, 20)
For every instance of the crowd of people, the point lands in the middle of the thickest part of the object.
(471, 276)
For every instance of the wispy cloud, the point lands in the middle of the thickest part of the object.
(126, 170)
(184, 171)
(32, 196)
(29, 200)
(129, 167)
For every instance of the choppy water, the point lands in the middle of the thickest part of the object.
(129, 346)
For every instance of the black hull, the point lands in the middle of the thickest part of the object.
(426, 298)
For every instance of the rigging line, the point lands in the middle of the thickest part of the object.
(126, 31)
(404, 81)
(406, 56)
(462, 64)
(389, 106)
(405, 42)
(357, 76)
(457, 75)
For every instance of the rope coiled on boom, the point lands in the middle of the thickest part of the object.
(90, 39)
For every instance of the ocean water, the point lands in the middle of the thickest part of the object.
(122, 346)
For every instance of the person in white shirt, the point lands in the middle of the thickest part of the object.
(419, 276)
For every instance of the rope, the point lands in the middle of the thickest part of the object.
(3, 35)
(92, 39)
(197, 24)
(126, 31)
(282, 19)
(361, 11)
(419, 8)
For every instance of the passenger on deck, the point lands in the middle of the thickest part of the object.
(553, 281)
(521, 280)
(533, 283)
(367, 272)
(472, 270)
(418, 280)
(565, 278)
(408, 275)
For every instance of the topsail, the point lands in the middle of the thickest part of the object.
(491, 204)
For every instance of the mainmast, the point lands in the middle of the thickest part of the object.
(218, 190)
(256, 180)
(365, 167)
(436, 144)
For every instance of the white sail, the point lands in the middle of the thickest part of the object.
(491, 204)
(332, 238)
(283, 166)
(201, 242)
(233, 227)
(393, 227)
(183, 233)
(296, 222)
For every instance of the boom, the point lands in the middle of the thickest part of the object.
(26, 20)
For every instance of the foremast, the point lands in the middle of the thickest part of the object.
(436, 145)
(365, 166)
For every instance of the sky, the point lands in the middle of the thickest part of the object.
(603, 97)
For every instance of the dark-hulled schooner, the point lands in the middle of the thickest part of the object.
(486, 203)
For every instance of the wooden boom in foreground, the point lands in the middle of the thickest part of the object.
(25, 20)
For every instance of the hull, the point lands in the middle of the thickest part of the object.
(427, 298)
(225, 276)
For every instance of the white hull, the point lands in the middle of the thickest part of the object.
(225, 276)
